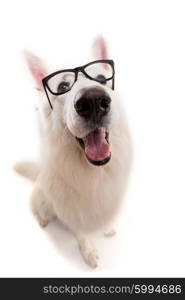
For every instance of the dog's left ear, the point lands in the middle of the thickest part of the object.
(100, 48)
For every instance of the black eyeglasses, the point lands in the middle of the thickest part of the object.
(62, 81)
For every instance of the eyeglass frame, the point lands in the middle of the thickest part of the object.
(76, 71)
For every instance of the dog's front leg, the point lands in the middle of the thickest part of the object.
(88, 252)
(41, 207)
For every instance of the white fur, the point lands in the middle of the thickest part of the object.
(84, 197)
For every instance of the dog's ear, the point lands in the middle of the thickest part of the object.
(36, 67)
(100, 48)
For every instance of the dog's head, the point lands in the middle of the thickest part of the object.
(82, 100)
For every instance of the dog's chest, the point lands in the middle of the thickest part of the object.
(86, 200)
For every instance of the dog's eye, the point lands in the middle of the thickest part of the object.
(63, 87)
(101, 78)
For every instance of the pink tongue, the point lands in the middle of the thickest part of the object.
(96, 146)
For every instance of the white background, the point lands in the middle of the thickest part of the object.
(147, 41)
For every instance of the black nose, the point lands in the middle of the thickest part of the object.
(93, 104)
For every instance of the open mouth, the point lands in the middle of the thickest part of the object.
(96, 146)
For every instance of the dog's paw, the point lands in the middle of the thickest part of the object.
(89, 254)
(90, 257)
(109, 233)
(43, 223)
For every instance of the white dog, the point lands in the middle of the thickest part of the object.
(86, 148)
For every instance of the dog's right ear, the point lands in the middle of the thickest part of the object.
(37, 68)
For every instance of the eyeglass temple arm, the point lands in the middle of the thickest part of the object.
(47, 96)
(113, 83)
